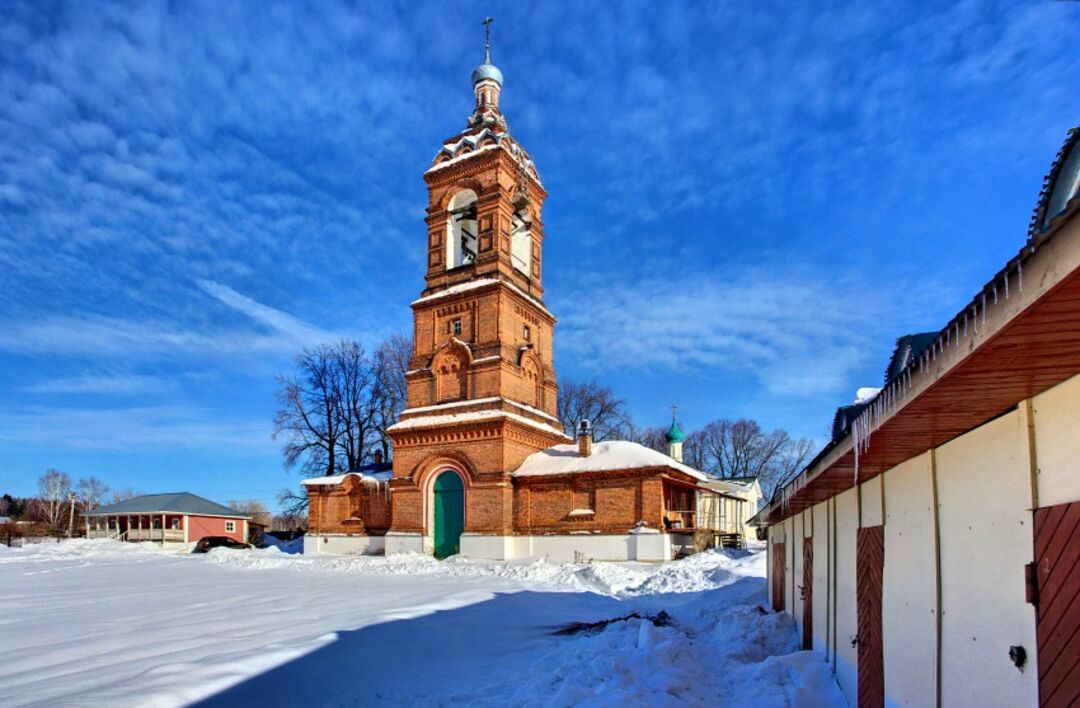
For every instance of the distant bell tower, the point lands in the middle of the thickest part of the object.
(481, 381)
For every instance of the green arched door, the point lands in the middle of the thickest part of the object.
(449, 514)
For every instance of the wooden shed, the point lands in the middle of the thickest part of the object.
(931, 552)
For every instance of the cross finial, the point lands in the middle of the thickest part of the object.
(487, 38)
(674, 408)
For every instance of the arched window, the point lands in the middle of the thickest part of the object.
(461, 242)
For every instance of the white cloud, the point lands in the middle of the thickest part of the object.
(295, 329)
(798, 331)
(152, 428)
(109, 384)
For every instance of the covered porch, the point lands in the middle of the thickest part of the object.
(137, 527)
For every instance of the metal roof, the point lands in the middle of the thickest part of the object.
(171, 503)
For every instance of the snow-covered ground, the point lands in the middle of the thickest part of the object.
(108, 623)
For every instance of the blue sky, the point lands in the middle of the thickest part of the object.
(748, 201)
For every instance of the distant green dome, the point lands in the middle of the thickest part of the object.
(675, 433)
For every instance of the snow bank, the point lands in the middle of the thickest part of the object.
(704, 571)
(118, 624)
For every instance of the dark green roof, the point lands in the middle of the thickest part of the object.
(173, 503)
(675, 433)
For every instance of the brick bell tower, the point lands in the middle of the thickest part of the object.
(481, 385)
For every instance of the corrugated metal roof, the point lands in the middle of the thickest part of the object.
(174, 502)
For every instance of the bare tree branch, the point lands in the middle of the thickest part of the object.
(595, 403)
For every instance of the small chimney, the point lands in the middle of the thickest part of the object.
(377, 457)
(584, 439)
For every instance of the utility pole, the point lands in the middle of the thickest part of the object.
(71, 513)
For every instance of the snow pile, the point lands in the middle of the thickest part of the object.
(703, 571)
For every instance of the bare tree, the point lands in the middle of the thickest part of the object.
(654, 438)
(357, 402)
(308, 414)
(123, 494)
(91, 491)
(742, 448)
(54, 487)
(334, 411)
(294, 510)
(391, 363)
(260, 514)
(598, 404)
(792, 459)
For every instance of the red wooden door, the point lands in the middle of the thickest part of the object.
(870, 568)
(1057, 627)
(808, 593)
(778, 577)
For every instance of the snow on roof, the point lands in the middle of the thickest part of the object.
(439, 165)
(474, 401)
(606, 456)
(336, 479)
(474, 284)
(866, 394)
(736, 486)
(469, 417)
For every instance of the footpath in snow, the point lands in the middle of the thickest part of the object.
(107, 623)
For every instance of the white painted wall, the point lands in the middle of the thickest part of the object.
(340, 545)
(822, 599)
(574, 547)
(795, 552)
(1057, 444)
(984, 494)
(909, 601)
(847, 524)
(870, 494)
(403, 542)
(789, 567)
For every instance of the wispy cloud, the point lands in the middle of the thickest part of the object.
(105, 384)
(798, 331)
(139, 428)
(297, 330)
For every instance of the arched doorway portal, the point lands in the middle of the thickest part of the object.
(449, 522)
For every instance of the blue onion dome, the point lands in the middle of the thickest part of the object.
(675, 433)
(487, 70)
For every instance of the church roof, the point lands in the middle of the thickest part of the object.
(675, 433)
(607, 456)
(487, 70)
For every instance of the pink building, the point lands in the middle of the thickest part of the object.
(178, 517)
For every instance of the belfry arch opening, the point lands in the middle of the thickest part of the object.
(461, 240)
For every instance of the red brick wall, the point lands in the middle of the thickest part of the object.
(335, 509)
(619, 499)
